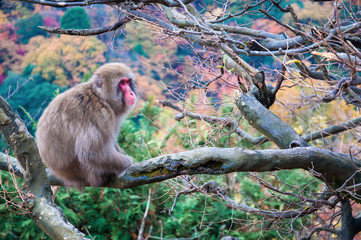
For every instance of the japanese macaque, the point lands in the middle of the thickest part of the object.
(77, 133)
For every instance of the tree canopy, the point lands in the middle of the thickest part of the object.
(75, 18)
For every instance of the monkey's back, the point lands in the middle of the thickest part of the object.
(74, 123)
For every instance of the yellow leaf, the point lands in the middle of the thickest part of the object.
(292, 61)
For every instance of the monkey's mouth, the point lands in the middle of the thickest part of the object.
(130, 101)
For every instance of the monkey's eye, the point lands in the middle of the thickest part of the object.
(124, 81)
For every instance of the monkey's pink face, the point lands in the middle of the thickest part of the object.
(128, 94)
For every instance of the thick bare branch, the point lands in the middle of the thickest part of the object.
(24, 147)
(238, 69)
(350, 225)
(216, 161)
(268, 123)
(7, 162)
(226, 160)
(44, 213)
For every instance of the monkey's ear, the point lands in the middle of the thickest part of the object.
(99, 81)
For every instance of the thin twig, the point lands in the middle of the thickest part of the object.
(88, 32)
(141, 230)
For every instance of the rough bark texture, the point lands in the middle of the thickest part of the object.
(226, 160)
(268, 123)
(45, 213)
(350, 225)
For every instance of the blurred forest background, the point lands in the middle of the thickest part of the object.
(35, 66)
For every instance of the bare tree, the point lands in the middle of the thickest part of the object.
(326, 53)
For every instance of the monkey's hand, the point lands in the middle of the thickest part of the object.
(121, 151)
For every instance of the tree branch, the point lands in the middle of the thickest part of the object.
(329, 131)
(241, 13)
(212, 187)
(270, 214)
(88, 32)
(348, 230)
(337, 128)
(7, 162)
(45, 213)
(320, 229)
(140, 234)
(268, 123)
(233, 125)
(186, 23)
(82, 3)
(306, 72)
(216, 161)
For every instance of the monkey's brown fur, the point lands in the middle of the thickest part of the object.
(77, 132)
